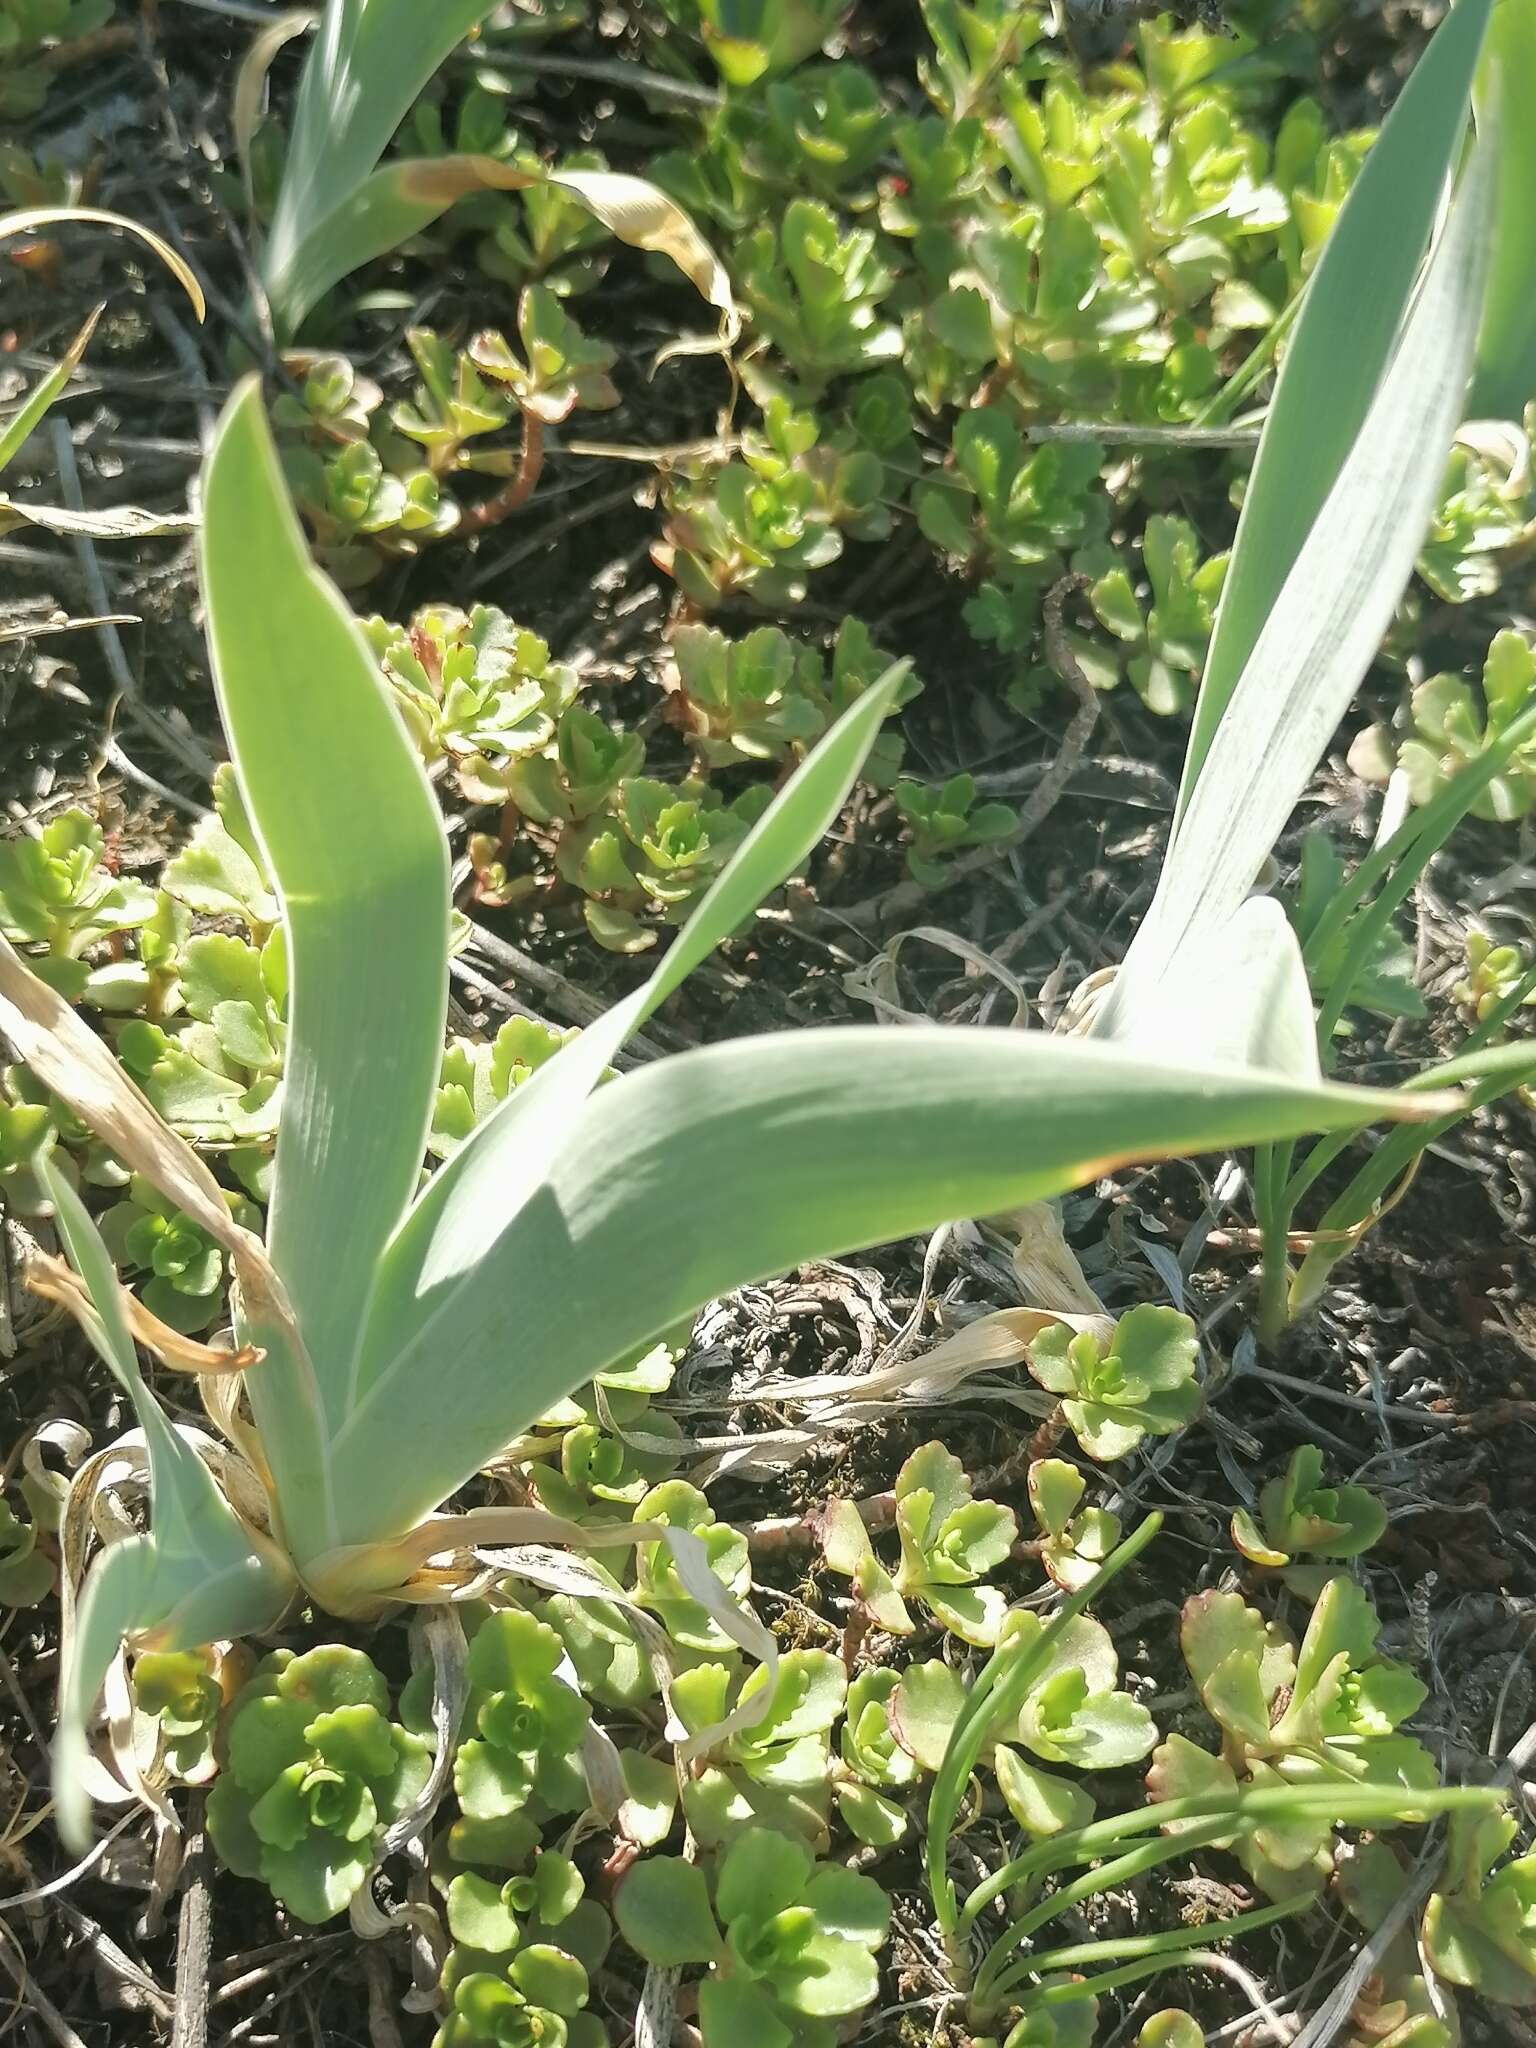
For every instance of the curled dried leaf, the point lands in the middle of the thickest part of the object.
(29, 217)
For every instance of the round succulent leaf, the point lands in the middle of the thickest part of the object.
(871, 1818)
(1343, 1623)
(1083, 1645)
(1055, 1489)
(1250, 1539)
(844, 1539)
(1050, 1360)
(281, 1815)
(735, 2012)
(334, 1676)
(505, 1843)
(549, 1977)
(490, 1782)
(761, 1874)
(933, 1471)
(512, 1651)
(1157, 1346)
(1103, 1432)
(1181, 1769)
(924, 1708)
(1040, 1803)
(1171, 2029)
(828, 1977)
(266, 1735)
(480, 1915)
(228, 1815)
(848, 1904)
(808, 1695)
(971, 1541)
(1212, 1626)
(974, 1613)
(1106, 1731)
(319, 1878)
(561, 1782)
(558, 1887)
(586, 1933)
(1461, 1949)
(663, 1910)
(357, 1740)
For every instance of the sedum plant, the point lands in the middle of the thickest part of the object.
(58, 890)
(183, 1692)
(1164, 639)
(776, 1769)
(1054, 1988)
(872, 1769)
(313, 1769)
(529, 1722)
(478, 692)
(1480, 1927)
(1300, 1516)
(1116, 1390)
(1447, 729)
(949, 1541)
(946, 820)
(1074, 1540)
(1324, 1712)
(790, 1945)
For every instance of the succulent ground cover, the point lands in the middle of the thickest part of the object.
(1006, 293)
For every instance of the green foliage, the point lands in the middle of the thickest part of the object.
(1326, 1711)
(949, 1541)
(774, 1771)
(945, 819)
(60, 890)
(147, 1234)
(354, 503)
(1005, 505)
(1300, 1516)
(478, 692)
(1494, 975)
(1480, 1927)
(182, 1692)
(768, 698)
(758, 526)
(790, 1944)
(560, 369)
(313, 1768)
(1142, 1383)
(1443, 727)
(1164, 639)
(1485, 523)
(752, 39)
(29, 30)
(526, 1939)
(872, 1765)
(530, 1722)
(815, 292)
(1075, 1540)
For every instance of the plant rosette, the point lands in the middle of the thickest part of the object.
(790, 1945)
(1142, 1385)
(312, 1769)
(949, 1542)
